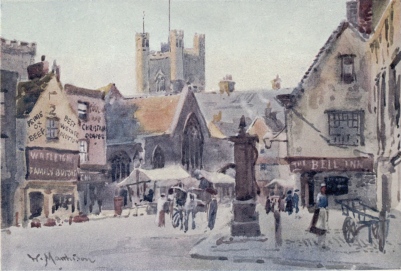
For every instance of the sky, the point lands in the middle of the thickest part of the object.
(253, 40)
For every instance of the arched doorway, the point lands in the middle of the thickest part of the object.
(120, 166)
(158, 158)
(192, 144)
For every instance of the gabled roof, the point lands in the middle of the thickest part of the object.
(28, 93)
(251, 104)
(93, 93)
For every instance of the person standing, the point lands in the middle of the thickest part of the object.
(160, 214)
(295, 201)
(277, 228)
(212, 213)
(268, 205)
(288, 203)
(320, 217)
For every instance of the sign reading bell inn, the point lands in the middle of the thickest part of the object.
(51, 164)
(330, 164)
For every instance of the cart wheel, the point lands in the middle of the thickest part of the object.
(177, 217)
(349, 230)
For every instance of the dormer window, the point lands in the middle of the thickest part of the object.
(52, 128)
(82, 110)
(347, 69)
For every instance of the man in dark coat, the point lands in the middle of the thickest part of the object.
(212, 213)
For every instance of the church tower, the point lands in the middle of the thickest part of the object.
(142, 62)
(177, 57)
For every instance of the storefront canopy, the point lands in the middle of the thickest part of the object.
(166, 176)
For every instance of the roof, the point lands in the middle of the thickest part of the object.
(167, 175)
(155, 115)
(217, 177)
(28, 93)
(94, 93)
(251, 104)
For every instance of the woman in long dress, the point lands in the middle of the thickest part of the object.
(160, 214)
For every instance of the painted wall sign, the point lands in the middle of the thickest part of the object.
(330, 164)
(46, 164)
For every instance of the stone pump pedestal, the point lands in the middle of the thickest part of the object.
(246, 219)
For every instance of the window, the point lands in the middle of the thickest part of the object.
(158, 158)
(192, 144)
(120, 166)
(52, 128)
(160, 84)
(263, 166)
(336, 185)
(347, 69)
(346, 127)
(83, 151)
(83, 110)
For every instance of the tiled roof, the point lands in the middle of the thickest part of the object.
(94, 93)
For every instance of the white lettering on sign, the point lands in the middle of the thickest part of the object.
(363, 164)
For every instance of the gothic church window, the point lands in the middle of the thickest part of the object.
(120, 166)
(158, 158)
(192, 144)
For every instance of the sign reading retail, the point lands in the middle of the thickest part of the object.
(51, 164)
(331, 164)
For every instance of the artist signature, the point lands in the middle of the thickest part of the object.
(47, 258)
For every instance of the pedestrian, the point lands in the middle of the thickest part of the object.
(288, 203)
(268, 205)
(295, 201)
(281, 203)
(277, 228)
(320, 217)
(212, 213)
(160, 214)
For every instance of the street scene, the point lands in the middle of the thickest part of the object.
(256, 141)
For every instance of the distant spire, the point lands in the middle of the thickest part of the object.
(143, 23)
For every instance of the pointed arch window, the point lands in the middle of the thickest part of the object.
(120, 166)
(158, 158)
(192, 144)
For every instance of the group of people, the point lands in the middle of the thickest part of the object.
(289, 203)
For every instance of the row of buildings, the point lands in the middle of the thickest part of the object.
(339, 126)
(74, 145)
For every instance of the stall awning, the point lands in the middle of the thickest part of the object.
(282, 182)
(217, 177)
(166, 176)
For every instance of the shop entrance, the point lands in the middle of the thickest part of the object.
(36, 200)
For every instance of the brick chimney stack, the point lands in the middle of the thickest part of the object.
(365, 16)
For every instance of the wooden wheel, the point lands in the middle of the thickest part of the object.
(349, 230)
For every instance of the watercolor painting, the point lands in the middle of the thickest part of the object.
(200, 135)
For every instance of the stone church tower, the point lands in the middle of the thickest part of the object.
(171, 68)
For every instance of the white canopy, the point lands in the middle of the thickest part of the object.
(282, 182)
(169, 175)
(217, 177)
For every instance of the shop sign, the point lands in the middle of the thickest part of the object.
(51, 164)
(331, 164)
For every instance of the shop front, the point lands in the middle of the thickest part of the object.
(345, 178)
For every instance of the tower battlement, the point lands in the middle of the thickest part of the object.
(18, 47)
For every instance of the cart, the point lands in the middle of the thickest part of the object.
(359, 216)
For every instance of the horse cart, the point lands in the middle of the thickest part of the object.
(187, 203)
(359, 216)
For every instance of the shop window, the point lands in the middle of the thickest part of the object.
(52, 128)
(336, 185)
(345, 127)
(82, 110)
(347, 69)
(83, 151)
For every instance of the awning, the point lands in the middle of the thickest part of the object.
(166, 176)
(282, 182)
(218, 178)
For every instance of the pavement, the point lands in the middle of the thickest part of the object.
(300, 248)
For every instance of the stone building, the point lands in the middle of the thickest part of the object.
(89, 105)
(8, 146)
(385, 98)
(330, 137)
(171, 68)
(47, 150)
(17, 56)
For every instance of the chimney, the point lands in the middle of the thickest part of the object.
(365, 16)
(352, 12)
